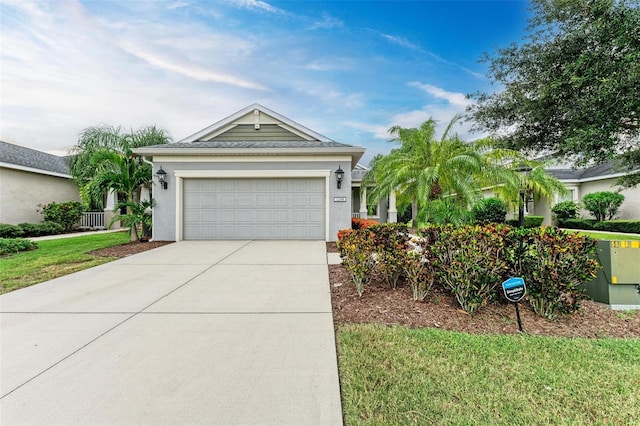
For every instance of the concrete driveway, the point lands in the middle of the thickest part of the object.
(206, 332)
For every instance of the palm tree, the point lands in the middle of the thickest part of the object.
(96, 139)
(137, 214)
(424, 168)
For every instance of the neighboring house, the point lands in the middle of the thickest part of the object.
(253, 175)
(581, 182)
(29, 177)
(594, 179)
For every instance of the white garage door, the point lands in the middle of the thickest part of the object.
(261, 208)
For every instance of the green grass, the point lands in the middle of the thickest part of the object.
(55, 258)
(401, 376)
(607, 236)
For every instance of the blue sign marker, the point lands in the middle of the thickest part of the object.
(514, 290)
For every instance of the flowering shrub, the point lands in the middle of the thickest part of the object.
(357, 223)
(66, 214)
(419, 273)
(356, 249)
(391, 242)
(471, 264)
(555, 264)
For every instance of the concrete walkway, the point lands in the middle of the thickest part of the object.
(217, 332)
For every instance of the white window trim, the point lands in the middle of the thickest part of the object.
(180, 175)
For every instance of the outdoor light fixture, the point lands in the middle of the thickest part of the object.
(162, 176)
(339, 176)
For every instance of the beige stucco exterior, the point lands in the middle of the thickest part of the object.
(630, 209)
(21, 192)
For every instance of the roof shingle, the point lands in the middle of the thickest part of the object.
(27, 157)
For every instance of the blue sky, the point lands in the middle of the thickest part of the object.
(346, 69)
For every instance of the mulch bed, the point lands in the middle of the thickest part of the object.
(128, 249)
(380, 304)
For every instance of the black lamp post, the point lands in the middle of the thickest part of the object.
(523, 169)
(339, 176)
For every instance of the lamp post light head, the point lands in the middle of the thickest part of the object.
(162, 178)
(339, 176)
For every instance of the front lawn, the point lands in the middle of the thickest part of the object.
(397, 375)
(607, 236)
(55, 258)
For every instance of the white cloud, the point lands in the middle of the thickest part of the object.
(257, 5)
(400, 41)
(453, 98)
(326, 23)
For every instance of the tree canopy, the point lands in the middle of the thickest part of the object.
(571, 88)
(96, 148)
(441, 178)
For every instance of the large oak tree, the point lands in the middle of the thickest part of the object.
(572, 88)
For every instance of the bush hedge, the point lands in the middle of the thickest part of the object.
(15, 245)
(489, 210)
(625, 226)
(529, 221)
(472, 261)
(10, 231)
(26, 230)
(566, 210)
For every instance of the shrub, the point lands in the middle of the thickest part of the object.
(66, 214)
(554, 266)
(471, 264)
(10, 231)
(391, 241)
(419, 272)
(356, 249)
(489, 210)
(529, 221)
(603, 205)
(566, 210)
(15, 245)
(40, 229)
(357, 223)
(584, 224)
(627, 226)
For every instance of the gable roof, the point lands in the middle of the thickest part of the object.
(606, 170)
(255, 115)
(31, 160)
(255, 130)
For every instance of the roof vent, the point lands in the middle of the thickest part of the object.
(256, 119)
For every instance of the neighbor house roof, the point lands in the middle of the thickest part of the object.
(600, 171)
(31, 160)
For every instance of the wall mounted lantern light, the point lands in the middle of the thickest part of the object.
(339, 176)
(162, 178)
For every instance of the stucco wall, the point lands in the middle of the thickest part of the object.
(630, 209)
(21, 192)
(164, 213)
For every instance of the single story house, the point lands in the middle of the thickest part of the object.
(581, 182)
(253, 175)
(29, 177)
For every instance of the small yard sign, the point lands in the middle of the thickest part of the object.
(514, 289)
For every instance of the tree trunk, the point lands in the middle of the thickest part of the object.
(414, 211)
(134, 228)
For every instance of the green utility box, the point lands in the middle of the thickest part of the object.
(618, 282)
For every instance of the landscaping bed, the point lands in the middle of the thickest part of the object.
(128, 249)
(380, 304)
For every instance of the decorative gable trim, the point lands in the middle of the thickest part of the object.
(255, 115)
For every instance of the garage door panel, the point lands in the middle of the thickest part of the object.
(260, 208)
